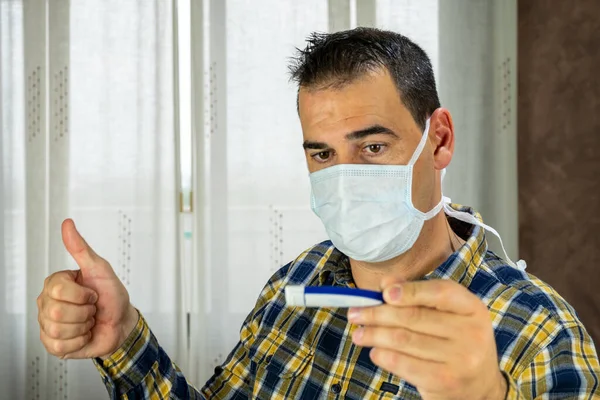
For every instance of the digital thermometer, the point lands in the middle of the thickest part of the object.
(330, 296)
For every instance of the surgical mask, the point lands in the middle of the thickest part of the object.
(368, 213)
(367, 210)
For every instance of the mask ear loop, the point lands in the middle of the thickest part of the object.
(435, 210)
(421, 145)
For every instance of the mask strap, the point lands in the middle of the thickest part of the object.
(470, 219)
(421, 145)
(435, 210)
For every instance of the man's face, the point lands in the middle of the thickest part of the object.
(365, 122)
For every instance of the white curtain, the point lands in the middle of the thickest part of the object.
(253, 176)
(477, 81)
(12, 203)
(88, 132)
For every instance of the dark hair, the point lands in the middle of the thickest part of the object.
(336, 59)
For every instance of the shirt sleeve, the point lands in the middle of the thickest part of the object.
(567, 367)
(141, 369)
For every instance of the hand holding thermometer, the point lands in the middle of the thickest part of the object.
(330, 296)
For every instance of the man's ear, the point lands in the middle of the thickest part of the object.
(441, 134)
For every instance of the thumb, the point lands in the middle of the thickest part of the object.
(390, 281)
(81, 252)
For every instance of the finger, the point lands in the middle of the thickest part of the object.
(443, 295)
(418, 372)
(58, 330)
(67, 275)
(419, 319)
(63, 288)
(60, 311)
(60, 347)
(405, 341)
(81, 252)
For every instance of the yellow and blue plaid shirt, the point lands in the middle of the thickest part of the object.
(298, 353)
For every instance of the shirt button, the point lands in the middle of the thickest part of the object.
(336, 388)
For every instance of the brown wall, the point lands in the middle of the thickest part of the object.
(559, 149)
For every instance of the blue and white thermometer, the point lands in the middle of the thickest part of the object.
(330, 296)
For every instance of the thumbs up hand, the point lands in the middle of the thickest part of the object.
(84, 313)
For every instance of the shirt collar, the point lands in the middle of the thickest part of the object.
(459, 267)
(336, 271)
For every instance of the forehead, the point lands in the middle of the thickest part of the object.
(370, 99)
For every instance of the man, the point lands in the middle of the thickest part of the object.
(458, 322)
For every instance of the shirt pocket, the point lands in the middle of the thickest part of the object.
(276, 355)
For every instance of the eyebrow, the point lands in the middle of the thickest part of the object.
(362, 133)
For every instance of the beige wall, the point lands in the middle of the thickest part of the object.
(559, 149)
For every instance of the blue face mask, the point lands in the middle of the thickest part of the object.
(367, 210)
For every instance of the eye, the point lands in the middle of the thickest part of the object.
(322, 156)
(374, 148)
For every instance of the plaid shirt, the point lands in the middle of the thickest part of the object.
(543, 349)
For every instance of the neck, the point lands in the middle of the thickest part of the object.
(435, 244)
